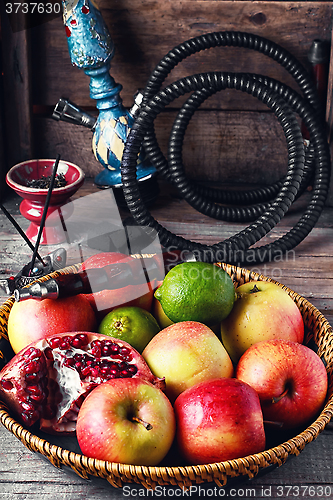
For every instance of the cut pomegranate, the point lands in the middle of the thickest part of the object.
(48, 380)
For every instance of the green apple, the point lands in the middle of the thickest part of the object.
(262, 311)
(126, 420)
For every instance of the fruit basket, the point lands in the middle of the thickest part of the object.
(65, 453)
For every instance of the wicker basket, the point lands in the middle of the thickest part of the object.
(318, 332)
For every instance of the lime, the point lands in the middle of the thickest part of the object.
(196, 291)
(131, 324)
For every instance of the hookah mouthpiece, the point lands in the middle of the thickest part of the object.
(67, 111)
(110, 277)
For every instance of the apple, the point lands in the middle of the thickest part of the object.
(262, 311)
(31, 319)
(187, 353)
(290, 379)
(132, 295)
(164, 321)
(128, 421)
(219, 420)
(159, 314)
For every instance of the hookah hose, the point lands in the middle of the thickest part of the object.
(266, 205)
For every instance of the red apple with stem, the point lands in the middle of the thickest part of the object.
(219, 420)
(289, 377)
(262, 311)
(128, 421)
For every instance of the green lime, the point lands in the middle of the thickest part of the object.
(196, 291)
(131, 324)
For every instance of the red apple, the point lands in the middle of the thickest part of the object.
(219, 420)
(31, 320)
(133, 295)
(187, 353)
(289, 377)
(262, 311)
(127, 421)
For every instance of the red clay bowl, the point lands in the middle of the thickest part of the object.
(20, 174)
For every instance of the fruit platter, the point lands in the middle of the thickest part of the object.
(173, 388)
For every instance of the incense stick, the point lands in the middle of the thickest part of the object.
(46, 206)
(21, 232)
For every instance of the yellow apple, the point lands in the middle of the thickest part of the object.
(262, 311)
(187, 353)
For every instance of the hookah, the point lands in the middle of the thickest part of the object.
(91, 48)
(120, 137)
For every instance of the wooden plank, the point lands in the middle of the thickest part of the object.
(17, 89)
(144, 31)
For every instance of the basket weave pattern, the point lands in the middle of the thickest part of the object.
(318, 331)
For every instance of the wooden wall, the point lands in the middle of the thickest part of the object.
(232, 137)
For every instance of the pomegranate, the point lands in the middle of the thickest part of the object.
(48, 380)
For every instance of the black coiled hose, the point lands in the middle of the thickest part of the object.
(267, 205)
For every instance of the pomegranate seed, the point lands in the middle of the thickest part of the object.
(69, 362)
(124, 351)
(80, 340)
(65, 343)
(94, 372)
(32, 367)
(32, 352)
(55, 342)
(124, 373)
(110, 348)
(7, 385)
(96, 351)
(29, 416)
(33, 389)
(105, 370)
(31, 377)
(132, 369)
(85, 372)
(38, 398)
(27, 406)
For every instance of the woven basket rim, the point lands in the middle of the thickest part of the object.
(183, 476)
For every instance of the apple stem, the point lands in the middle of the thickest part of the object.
(273, 424)
(254, 289)
(276, 399)
(147, 425)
